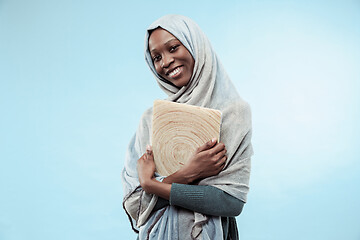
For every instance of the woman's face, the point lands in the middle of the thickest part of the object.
(171, 59)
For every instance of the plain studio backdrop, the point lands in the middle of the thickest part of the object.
(74, 84)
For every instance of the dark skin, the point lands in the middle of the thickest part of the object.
(171, 59)
(173, 62)
(208, 160)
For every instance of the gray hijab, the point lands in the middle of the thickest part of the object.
(209, 87)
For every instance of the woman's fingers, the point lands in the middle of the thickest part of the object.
(149, 153)
(222, 163)
(220, 154)
(207, 145)
(146, 166)
(223, 160)
(211, 153)
(218, 148)
(148, 149)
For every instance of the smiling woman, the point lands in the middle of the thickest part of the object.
(171, 59)
(202, 198)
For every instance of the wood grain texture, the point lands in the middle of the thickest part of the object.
(178, 130)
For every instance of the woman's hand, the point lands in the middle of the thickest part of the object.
(146, 167)
(146, 170)
(208, 160)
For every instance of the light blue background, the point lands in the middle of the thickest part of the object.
(74, 84)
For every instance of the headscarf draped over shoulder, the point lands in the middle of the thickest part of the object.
(208, 87)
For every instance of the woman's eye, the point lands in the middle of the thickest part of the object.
(173, 48)
(156, 58)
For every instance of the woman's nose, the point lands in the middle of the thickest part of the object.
(167, 60)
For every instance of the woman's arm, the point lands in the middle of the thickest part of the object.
(203, 199)
(208, 160)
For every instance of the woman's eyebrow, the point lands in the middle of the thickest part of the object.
(170, 40)
(167, 42)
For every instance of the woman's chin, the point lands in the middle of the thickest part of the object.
(179, 82)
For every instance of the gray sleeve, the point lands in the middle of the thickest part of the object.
(205, 199)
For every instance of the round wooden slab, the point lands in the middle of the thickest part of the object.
(178, 130)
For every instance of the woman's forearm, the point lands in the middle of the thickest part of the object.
(180, 176)
(205, 199)
(161, 189)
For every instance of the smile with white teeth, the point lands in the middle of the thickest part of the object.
(174, 72)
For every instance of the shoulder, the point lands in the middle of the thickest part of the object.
(237, 107)
(146, 118)
(147, 112)
(142, 135)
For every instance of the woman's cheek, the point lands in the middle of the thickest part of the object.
(158, 69)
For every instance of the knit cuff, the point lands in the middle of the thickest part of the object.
(186, 196)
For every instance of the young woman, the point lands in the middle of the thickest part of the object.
(200, 200)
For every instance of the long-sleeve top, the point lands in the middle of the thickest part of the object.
(206, 200)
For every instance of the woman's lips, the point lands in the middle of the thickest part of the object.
(176, 72)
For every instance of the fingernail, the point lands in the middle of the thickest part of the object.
(213, 140)
(148, 147)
